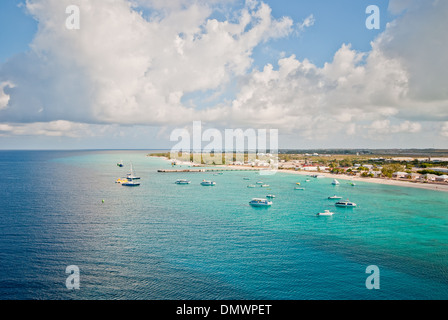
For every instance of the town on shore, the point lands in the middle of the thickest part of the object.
(418, 167)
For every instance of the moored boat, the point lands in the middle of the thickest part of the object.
(325, 213)
(258, 202)
(208, 183)
(345, 204)
(130, 183)
(182, 181)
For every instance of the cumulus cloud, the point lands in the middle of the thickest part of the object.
(4, 97)
(127, 67)
(123, 68)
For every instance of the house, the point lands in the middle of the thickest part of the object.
(399, 175)
(375, 174)
(443, 178)
(429, 177)
(413, 176)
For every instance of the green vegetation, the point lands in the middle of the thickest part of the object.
(389, 169)
(426, 171)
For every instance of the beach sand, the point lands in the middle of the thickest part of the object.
(392, 182)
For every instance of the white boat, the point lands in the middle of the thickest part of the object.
(258, 202)
(270, 196)
(260, 182)
(208, 183)
(335, 182)
(307, 180)
(131, 175)
(325, 213)
(264, 185)
(182, 181)
(299, 188)
(251, 186)
(335, 197)
(345, 204)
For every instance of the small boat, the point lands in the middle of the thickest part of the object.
(246, 179)
(335, 182)
(208, 183)
(335, 197)
(264, 185)
(121, 180)
(307, 180)
(182, 181)
(353, 184)
(130, 183)
(251, 186)
(325, 213)
(259, 182)
(345, 204)
(298, 188)
(270, 196)
(257, 202)
(298, 183)
(120, 164)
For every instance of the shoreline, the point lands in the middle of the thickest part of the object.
(384, 181)
(391, 182)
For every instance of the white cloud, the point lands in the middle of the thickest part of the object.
(4, 97)
(444, 130)
(121, 68)
(307, 22)
(58, 128)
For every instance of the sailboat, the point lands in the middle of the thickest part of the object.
(131, 175)
(335, 182)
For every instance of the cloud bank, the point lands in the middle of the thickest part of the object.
(133, 63)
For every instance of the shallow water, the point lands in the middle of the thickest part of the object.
(168, 241)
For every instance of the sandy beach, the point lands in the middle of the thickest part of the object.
(392, 182)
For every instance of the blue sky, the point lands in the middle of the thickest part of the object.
(130, 81)
(17, 28)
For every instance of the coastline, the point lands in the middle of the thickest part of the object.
(391, 182)
(385, 181)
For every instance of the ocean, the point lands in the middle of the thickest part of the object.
(162, 241)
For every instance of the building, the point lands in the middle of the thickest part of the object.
(413, 176)
(443, 178)
(399, 175)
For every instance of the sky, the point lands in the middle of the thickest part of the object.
(136, 70)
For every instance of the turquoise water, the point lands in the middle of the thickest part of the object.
(168, 241)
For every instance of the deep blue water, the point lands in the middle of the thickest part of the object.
(167, 241)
